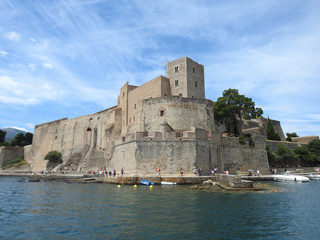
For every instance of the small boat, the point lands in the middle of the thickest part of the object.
(168, 183)
(314, 176)
(288, 177)
(145, 182)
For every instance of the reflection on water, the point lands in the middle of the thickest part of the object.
(53, 210)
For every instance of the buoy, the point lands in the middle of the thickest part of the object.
(135, 186)
(150, 186)
(119, 186)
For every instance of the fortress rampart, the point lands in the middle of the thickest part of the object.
(165, 123)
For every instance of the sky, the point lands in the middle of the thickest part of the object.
(70, 58)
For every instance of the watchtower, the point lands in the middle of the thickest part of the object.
(187, 78)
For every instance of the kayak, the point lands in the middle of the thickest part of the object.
(145, 182)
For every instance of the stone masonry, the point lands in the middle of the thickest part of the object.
(165, 123)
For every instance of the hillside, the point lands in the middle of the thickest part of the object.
(11, 133)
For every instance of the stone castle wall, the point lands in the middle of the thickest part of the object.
(166, 123)
(179, 113)
(10, 153)
(241, 158)
(85, 142)
(145, 156)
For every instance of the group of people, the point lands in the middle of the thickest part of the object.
(106, 173)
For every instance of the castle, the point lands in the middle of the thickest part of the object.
(165, 123)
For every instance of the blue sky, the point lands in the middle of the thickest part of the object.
(70, 58)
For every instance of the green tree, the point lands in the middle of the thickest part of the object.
(285, 156)
(304, 155)
(271, 156)
(18, 140)
(2, 136)
(54, 157)
(28, 138)
(22, 139)
(314, 150)
(232, 107)
(290, 136)
(271, 134)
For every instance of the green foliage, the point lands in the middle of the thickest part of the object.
(246, 138)
(306, 155)
(2, 136)
(233, 106)
(22, 139)
(290, 136)
(5, 144)
(284, 155)
(15, 162)
(271, 156)
(54, 157)
(271, 134)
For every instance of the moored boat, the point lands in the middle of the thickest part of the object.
(288, 177)
(314, 176)
(168, 183)
(145, 182)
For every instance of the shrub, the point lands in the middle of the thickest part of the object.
(246, 138)
(54, 157)
(15, 162)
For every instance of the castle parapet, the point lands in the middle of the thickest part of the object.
(52, 122)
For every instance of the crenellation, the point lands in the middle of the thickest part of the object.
(165, 123)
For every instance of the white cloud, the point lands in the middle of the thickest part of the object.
(3, 53)
(13, 36)
(30, 91)
(47, 65)
(30, 125)
(32, 39)
(18, 128)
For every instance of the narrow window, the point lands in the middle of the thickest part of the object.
(194, 70)
(135, 106)
(176, 69)
(123, 94)
(176, 83)
(134, 118)
(196, 84)
(161, 113)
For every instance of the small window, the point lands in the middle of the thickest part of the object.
(134, 118)
(194, 70)
(135, 106)
(161, 113)
(176, 69)
(176, 83)
(123, 94)
(196, 84)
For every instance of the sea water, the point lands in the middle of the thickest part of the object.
(55, 210)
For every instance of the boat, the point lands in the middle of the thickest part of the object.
(168, 183)
(314, 176)
(289, 177)
(145, 182)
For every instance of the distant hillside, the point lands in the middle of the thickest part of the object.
(11, 133)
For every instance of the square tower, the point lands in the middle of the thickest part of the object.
(186, 78)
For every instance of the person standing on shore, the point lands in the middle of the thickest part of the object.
(199, 171)
(122, 171)
(158, 172)
(181, 171)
